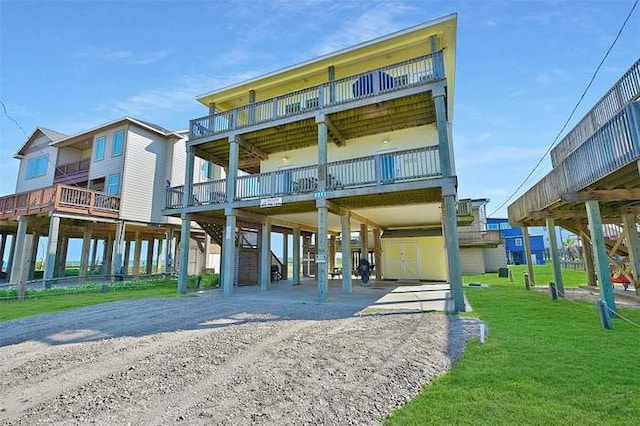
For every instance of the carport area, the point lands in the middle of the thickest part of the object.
(379, 295)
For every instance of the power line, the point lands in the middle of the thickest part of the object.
(595, 73)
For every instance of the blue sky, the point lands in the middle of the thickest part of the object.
(521, 66)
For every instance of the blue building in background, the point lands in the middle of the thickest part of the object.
(514, 243)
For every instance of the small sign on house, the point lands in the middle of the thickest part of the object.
(271, 202)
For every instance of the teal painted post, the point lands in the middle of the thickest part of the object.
(555, 258)
(265, 257)
(600, 253)
(321, 204)
(52, 247)
(295, 279)
(86, 247)
(345, 222)
(629, 221)
(443, 139)
(453, 252)
(229, 253)
(118, 248)
(185, 232)
(527, 254)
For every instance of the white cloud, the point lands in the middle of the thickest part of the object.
(377, 20)
(112, 55)
(552, 76)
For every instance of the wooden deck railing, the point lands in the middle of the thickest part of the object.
(388, 168)
(59, 198)
(613, 146)
(75, 171)
(479, 237)
(421, 70)
(625, 91)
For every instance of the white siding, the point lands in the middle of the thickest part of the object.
(471, 261)
(178, 163)
(37, 148)
(144, 178)
(495, 258)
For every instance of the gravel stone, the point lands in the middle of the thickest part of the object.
(207, 360)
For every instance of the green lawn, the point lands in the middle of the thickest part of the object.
(544, 362)
(57, 299)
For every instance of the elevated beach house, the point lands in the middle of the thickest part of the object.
(105, 186)
(353, 142)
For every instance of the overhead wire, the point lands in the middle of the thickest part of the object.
(573, 111)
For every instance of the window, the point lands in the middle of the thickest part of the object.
(36, 167)
(207, 170)
(118, 143)
(493, 226)
(113, 184)
(98, 153)
(518, 242)
(505, 225)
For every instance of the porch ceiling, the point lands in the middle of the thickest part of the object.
(395, 114)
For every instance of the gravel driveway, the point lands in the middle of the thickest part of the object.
(208, 360)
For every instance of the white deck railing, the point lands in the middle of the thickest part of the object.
(613, 146)
(383, 169)
(417, 71)
(625, 91)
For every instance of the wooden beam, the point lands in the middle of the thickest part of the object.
(338, 137)
(253, 150)
(341, 211)
(602, 195)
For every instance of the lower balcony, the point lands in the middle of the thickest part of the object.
(60, 198)
(479, 238)
(400, 167)
(75, 172)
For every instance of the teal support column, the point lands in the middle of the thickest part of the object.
(527, 254)
(118, 248)
(87, 234)
(151, 243)
(12, 252)
(52, 247)
(185, 232)
(453, 252)
(377, 253)
(364, 241)
(600, 254)
(35, 240)
(321, 251)
(285, 256)
(265, 256)
(633, 245)
(295, 279)
(587, 254)
(168, 252)
(3, 246)
(345, 224)
(229, 254)
(444, 149)
(323, 211)
(555, 258)
(137, 253)
(19, 257)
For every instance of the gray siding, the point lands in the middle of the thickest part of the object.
(37, 148)
(494, 258)
(144, 178)
(471, 261)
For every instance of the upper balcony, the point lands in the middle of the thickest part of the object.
(394, 92)
(74, 172)
(60, 198)
(479, 238)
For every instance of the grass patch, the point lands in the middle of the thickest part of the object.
(41, 301)
(544, 362)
